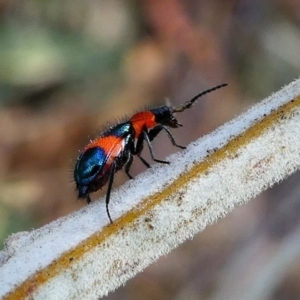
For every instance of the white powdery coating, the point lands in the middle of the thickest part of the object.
(265, 160)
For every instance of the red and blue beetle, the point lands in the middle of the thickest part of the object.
(113, 149)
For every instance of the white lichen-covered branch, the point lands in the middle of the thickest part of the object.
(82, 256)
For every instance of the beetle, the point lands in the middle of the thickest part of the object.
(114, 148)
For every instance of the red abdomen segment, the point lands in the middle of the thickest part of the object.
(141, 120)
(112, 146)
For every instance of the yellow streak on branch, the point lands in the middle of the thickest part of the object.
(62, 263)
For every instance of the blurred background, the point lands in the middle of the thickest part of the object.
(68, 68)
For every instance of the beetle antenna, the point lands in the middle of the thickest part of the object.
(189, 103)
